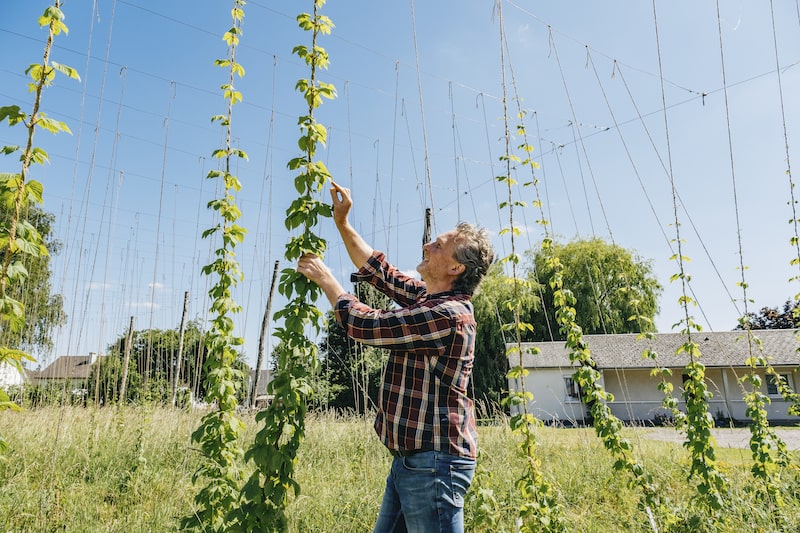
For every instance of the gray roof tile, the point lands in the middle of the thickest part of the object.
(717, 349)
(67, 367)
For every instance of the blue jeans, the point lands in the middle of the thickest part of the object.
(425, 493)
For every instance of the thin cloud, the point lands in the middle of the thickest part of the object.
(144, 305)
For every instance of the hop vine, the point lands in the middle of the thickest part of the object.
(539, 510)
(19, 191)
(219, 431)
(274, 452)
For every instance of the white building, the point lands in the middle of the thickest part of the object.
(10, 376)
(627, 374)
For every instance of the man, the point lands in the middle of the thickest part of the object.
(424, 417)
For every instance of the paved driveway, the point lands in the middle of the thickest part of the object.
(726, 437)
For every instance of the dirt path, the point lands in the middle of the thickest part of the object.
(727, 437)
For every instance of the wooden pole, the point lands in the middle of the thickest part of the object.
(262, 337)
(125, 362)
(176, 368)
(426, 235)
(198, 366)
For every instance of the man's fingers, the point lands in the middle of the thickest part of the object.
(338, 193)
(307, 265)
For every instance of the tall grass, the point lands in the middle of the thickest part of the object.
(129, 470)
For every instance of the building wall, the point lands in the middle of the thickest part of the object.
(550, 400)
(638, 399)
(9, 376)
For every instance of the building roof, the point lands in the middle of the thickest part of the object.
(717, 349)
(68, 367)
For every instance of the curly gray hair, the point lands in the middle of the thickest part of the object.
(473, 249)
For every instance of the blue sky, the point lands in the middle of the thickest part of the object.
(128, 187)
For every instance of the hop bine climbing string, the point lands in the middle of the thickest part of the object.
(539, 510)
(712, 486)
(219, 431)
(768, 451)
(274, 453)
(19, 237)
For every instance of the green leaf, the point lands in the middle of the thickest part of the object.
(66, 70)
(16, 270)
(305, 22)
(12, 113)
(230, 37)
(39, 157)
(53, 126)
(34, 190)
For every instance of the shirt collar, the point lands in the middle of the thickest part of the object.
(445, 294)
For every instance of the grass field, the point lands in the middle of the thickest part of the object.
(129, 470)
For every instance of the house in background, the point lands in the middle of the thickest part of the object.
(11, 377)
(625, 373)
(262, 399)
(68, 371)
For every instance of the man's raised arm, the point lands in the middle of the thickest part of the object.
(358, 250)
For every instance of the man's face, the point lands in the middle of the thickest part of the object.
(438, 264)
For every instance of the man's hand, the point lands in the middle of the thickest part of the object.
(342, 202)
(358, 250)
(312, 267)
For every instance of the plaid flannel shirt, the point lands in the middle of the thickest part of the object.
(423, 403)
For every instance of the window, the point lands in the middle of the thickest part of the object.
(573, 389)
(772, 383)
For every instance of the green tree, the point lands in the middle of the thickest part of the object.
(773, 318)
(44, 311)
(353, 370)
(596, 272)
(105, 380)
(491, 311)
(153, 353)
(615, 290)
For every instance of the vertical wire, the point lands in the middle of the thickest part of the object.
(679, 256)
(640, 118)
(78, 139)
(87, 193)
(793, 202)
(158, 233)
(522, 114)
(576, 126)
(266, 176)
(455, 150)
(419, 185)
(112, 218)
(422, 112)
(394, 146)
(743, 282)
(491, 165)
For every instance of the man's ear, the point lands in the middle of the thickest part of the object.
(458, 269)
